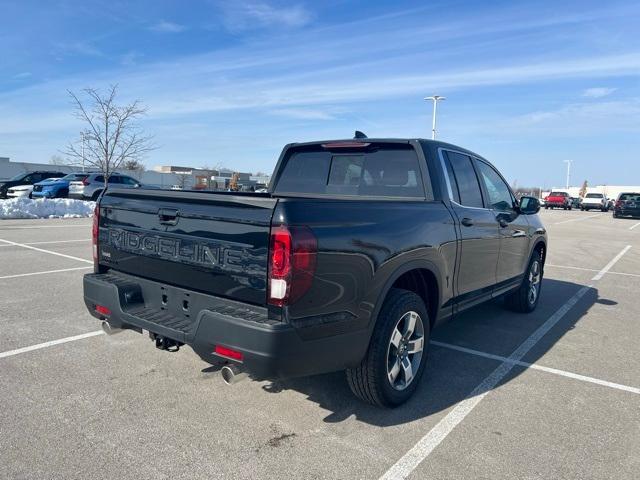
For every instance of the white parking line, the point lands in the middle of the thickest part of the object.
(590, 270)
(31, 348)
(534, 366)
(634, 226)
(421, 450)
(46, 251)
(52, 241)
(43, 273)
(576, 219)
(22, 227)
(615, 259)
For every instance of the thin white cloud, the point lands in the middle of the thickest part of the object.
(582, 118)
(303, 113)
(241, 15)
(167, 27)
(22, 75)
(598, 92)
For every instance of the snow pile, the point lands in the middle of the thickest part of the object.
(45, 208)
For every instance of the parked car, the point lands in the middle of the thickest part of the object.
(90, 187)
(56, 187)
(575, 202)
(594, 200)
(28, 178)
(357, 251)
(20, 191)
(627, 205)
(558, 200)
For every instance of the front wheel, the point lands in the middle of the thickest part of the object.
(391, 370)
(525, 298)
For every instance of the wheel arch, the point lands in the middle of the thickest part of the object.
(421, 277)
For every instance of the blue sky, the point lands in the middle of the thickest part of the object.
(528, 84)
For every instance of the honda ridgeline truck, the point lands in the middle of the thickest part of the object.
(356, 252)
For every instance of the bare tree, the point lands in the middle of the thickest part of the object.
(583, 189)
(112, 135)
(57, 160)
(133, 165)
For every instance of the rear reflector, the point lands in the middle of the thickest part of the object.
(229, 353)
(102, 310)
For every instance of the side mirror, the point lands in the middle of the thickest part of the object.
(529, 205)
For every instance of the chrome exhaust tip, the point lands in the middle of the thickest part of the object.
(109, 330)
(232, 374)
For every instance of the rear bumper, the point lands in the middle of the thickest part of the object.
(622, 212)
(271, 349)
(77, 196)
(556, 205)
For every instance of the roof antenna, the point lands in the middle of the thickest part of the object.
(359, 134)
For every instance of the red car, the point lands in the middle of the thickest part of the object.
(558, 199)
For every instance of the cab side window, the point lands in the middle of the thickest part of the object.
(466, 187)
(500, 197)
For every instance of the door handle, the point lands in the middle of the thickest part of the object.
(168, 216)
(467, 222)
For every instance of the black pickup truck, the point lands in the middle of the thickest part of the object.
(359, 248)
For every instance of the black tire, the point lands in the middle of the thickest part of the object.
(64, 193)
(570, 208)
(520, 300)
(546, 207)
(370, 381)
(95, 195)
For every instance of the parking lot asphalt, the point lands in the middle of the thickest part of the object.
(552, 394)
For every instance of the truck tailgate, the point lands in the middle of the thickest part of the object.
(215, 243)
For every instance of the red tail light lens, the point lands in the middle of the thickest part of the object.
(292, 264)
(619, 203)
(94, 236)
(85, 181)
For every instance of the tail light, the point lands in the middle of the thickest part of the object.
(619, 203)
(94, 236)
(292, 264)
(85, 181)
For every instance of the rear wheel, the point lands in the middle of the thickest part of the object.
(525, 298)
(96, 194)
(394, 363)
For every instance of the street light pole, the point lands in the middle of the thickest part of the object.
(435, 99)
(568, 162)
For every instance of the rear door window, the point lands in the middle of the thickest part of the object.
(464, 176)
(386, 171)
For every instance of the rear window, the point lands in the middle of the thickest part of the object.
(594, 195)
(558, 194)
(630, 196)
(389, 171)
(75, 177)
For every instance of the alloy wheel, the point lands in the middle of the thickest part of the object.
(404, 352)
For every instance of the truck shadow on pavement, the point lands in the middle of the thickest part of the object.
(450, 375)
